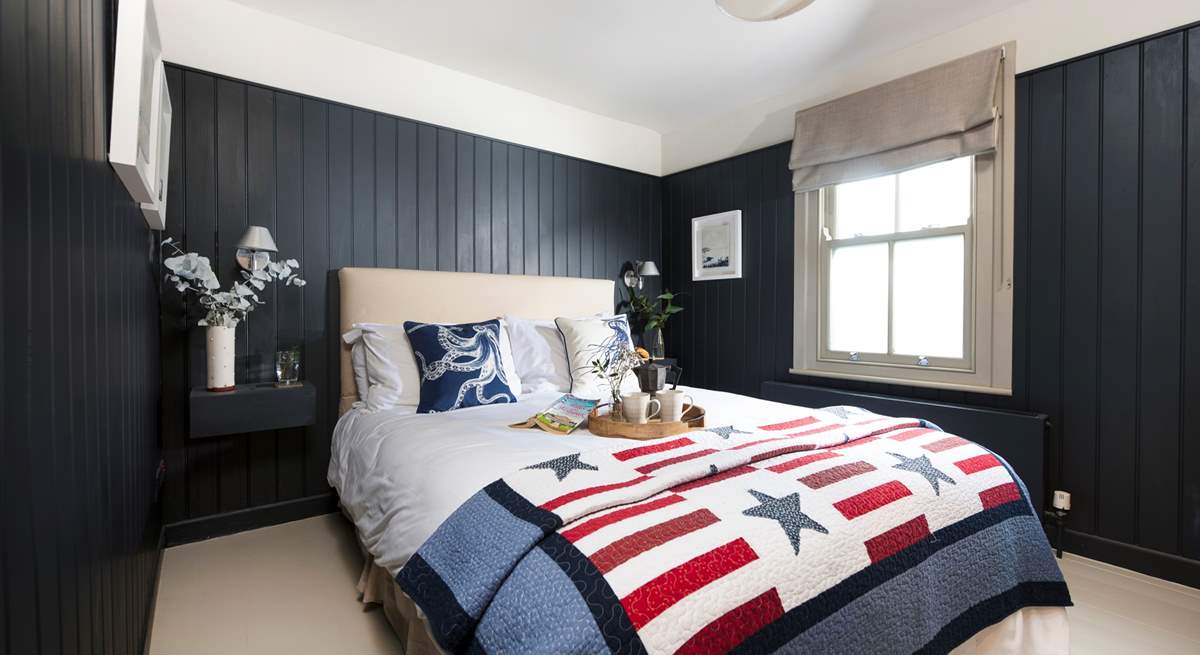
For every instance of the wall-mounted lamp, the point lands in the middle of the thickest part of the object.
(633, 275)
(255, 247)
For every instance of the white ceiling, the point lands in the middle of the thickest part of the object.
(661, 64)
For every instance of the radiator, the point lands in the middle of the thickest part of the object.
(1018, 437)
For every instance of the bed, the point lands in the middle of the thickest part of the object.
(407, 480)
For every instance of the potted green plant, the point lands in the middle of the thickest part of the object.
(653, 314)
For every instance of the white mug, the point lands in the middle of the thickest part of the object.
(673, 406)
(636, 407)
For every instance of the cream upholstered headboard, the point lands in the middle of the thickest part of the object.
(389, 295)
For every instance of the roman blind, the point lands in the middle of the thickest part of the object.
(940, 113)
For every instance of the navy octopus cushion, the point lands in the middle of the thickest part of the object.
(460, 365)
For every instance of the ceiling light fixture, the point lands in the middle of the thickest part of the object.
(761, 10)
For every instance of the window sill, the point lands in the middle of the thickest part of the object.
(908, 382)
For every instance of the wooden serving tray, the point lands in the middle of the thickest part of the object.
(607, 425)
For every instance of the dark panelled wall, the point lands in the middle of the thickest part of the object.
(339, 186)
(78, 347)
(1107, 312)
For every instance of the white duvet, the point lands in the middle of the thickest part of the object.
(400, 474)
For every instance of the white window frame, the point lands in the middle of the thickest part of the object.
(987, 363)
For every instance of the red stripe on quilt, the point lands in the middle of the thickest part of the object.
(856, 442)
(625, 548)
(555, 503)
(713, 479)
(654, 466)
(787, 425)
(782, 450)
(998, 495)
(750, 444)
(631, 453)
(588, 527)
(658, 595)
(801, 461)
(823, 428)
(945, 444)
(872, 499)
(734, 626)
(836, 474)
(977, 463)
(897, 539)
(909, 434)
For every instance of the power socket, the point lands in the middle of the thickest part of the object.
(1062, 500)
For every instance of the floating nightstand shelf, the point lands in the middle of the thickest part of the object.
(251, 408)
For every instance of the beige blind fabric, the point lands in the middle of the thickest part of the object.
(943, 112)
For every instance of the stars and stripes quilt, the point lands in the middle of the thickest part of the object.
(865, 534)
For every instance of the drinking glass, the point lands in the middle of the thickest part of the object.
(287, 366)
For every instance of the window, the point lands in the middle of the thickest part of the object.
(894, 267)
(904, 229)
(899, 279)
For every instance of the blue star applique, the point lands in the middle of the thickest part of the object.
(786, 511)
(924, 467)
(562, 466)
(725, 431)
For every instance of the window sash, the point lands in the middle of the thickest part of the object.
(827, 244)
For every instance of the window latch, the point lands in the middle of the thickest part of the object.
(854, 357)
(922, 361)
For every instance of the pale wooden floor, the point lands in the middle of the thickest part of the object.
(290, 589)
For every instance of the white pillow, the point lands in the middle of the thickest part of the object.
(392, 376)
(540, 355)
(588, 339)
(358, 361)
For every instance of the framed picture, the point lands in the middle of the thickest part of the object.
(717, 246)
(139, 142)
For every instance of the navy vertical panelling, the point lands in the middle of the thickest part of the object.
(1119, 237)
(1106, 291)
(1189, 455)
(406, 194)
(574, 264)
(447, 250)
(499, 200)
(316, 260)
(385, 191)
(232, 219)
(199, 218)
(262, 325)
(483, 205)
(1161, 292)
(79, 366)
(427, 197)
(530, 202)
(545, 213)
(559, 190)
(464, 184)
(362, 175)
(340, 186)
(289, 237)
(516, 210)
(1081, 249)
(1045, 247)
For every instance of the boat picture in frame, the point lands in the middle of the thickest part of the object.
(717, 246)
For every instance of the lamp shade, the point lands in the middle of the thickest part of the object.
(648, 269)
(257, 238)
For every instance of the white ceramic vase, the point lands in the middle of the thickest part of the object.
(220, 343)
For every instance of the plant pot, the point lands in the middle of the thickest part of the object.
(220, 342)
(657, 347)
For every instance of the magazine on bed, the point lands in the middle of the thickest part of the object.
(562, 417)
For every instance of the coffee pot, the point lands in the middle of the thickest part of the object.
(652, 376)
